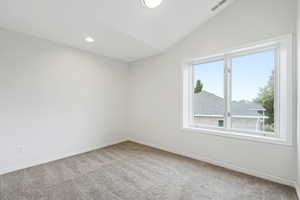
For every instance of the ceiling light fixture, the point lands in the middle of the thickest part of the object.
(89, 39)
(151, 3)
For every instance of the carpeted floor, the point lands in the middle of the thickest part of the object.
(130, 171)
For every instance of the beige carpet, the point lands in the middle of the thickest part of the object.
(130, 171)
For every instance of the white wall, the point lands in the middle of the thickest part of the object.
(56, 101)
(298, 83)
(155, 91)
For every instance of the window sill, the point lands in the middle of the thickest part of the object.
(240, 136)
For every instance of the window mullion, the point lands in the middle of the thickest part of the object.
(227, 91)
(191, 90)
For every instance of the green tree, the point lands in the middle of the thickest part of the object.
(266, 99)
(199, 87)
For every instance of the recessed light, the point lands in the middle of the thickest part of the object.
(89, 39)
(151, 3)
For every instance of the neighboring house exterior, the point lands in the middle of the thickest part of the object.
(209, 110)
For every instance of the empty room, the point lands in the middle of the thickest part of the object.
(149, 100)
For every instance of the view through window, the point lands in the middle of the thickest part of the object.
(236, 92)
(253, 91)
(208, 99)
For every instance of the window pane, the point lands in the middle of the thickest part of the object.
(253, 91)
(208, 98)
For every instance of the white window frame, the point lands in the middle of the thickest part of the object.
(283, 92)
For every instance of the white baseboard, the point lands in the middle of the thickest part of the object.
(223, 164)
(57, 157)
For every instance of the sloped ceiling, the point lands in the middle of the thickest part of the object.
(122, 29)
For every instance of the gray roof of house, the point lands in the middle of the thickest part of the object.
(206, 103)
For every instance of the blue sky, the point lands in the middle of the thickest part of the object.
(249, 74)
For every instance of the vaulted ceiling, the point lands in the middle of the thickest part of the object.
(122, 29)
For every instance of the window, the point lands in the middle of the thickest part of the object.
(242, 92)
(253, 84)
(208, 102)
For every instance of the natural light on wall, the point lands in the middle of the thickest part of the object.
(151, 3)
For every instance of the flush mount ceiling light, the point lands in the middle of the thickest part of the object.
(151, 3)
(89, 39)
